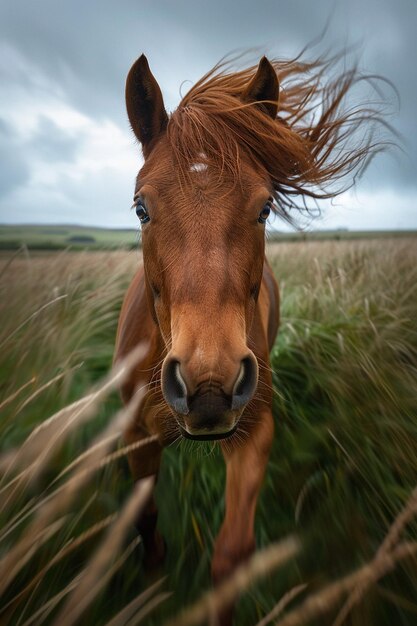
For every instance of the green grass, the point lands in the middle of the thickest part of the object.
(344, 458)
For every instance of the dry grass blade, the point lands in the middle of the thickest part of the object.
(88, 587)
(404, 518)
(16, 393)
(8, 263)
(281, 605)
(82, 457)
(148, 608)
(21, 516)
(259, 565)
(47, 385)
(137, 603)
(110, 458)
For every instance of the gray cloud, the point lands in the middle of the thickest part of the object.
(87, 47)
(51, 143)
(14, 170)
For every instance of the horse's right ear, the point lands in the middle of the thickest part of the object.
(145, 105)
(264, 88)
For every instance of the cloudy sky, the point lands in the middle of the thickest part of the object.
(67, 154)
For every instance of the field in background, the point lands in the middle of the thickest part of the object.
(343, 463)
(58, 237)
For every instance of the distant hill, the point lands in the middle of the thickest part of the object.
(339, 234)
(59, 237)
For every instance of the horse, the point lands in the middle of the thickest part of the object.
(205, 302)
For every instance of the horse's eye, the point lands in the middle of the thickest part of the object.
(142, 212)
(264, 214)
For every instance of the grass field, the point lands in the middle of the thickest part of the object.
(343, 464)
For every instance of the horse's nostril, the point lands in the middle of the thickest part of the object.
(174, 387)
(246, 382)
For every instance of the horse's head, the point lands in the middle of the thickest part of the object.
(203, 249)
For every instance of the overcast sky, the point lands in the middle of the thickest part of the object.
(66, 150)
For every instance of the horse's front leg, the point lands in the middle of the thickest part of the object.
(245, 467)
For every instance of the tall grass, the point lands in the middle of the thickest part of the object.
(343, 464)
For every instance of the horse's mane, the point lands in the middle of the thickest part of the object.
(317, 145)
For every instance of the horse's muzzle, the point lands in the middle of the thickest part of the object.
(211, 408)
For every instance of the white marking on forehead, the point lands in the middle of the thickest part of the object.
(200, 166)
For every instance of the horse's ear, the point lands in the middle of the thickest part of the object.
(264, 88)
(144, 103)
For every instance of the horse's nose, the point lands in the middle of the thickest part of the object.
(208, 406)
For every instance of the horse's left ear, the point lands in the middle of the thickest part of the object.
(264, 88)
(145, 105)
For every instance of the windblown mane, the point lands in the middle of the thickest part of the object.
(316, 146)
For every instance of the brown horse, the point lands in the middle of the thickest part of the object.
(205, 301)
